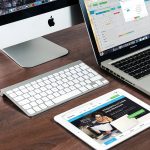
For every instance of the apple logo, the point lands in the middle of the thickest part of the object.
(51, 22)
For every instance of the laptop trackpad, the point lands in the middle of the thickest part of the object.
(145, 83)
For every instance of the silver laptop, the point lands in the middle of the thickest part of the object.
(120, 35)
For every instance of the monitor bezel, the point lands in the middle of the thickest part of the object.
(34, 11)
(114, 54)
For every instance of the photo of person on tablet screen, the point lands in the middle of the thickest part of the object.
(102, 125)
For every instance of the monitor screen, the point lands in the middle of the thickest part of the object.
(118, 24)
(10, 6)
(15, 10)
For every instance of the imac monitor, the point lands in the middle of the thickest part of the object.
(23, 22)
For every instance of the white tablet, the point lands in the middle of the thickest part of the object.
(107, 120)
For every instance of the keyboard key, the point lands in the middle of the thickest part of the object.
(37, 108)
(72, 88)
(36, 86)
(77, 85)
(66, 96)
(21, 87)
(67, 90)
(66, 70)
(45, 99)
(31, 99)
(80, 79)
(105, 81)
(91, 75)
(47, 82)
(27, 106)
(9, 92)
(48, 86)
(68, 74)
(45, 78)
(83, 89)
(65, 85)
(83, 83)
(49, 92)
(54, 89)
(18, 98)
(99, 82)
(25, 101)
(24, 90)
(39, 80)
(60, 87)
(32, 93)
(50, 96)
(15, 90)
(38, 91)
(49, 103)
(89, 87)
(43, 89)
(58, 78)
(76, 81)
(39, 101)
(62, 92)
(37, 96)
(42, 106)
(26, 95)
(70, 83)
(59, 82)
(31, 111)
(27, 85)
(96, 78)
(41, 84)
(54, 84)
(64, 80)
(88, 81)
(43, 94)
(95, 85)
(18, 93)
(86, 77)
(70, 78)
(12, 95)
(56, 94)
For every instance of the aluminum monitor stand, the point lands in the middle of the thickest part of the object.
(35, 52)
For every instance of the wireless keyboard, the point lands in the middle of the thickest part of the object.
(50, 89)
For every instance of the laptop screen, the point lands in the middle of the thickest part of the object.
(117, 24)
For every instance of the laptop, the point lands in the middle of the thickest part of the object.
(119, 31)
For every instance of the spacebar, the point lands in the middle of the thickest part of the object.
(66, 96)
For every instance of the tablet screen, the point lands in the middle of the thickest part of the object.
(110, 118)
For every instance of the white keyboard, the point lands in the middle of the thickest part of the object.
(50, 89)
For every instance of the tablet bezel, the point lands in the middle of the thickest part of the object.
(84, 137)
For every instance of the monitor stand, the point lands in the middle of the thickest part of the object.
(35, 52)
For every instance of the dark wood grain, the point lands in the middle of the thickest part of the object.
(19, 132)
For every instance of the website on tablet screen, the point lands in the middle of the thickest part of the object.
(108, 120)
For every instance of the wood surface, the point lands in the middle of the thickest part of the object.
(19, 132)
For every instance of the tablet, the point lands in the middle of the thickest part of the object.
(107, 120)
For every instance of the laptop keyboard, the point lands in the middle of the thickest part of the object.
(137, 65)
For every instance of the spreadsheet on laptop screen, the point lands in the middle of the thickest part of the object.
(116, 22)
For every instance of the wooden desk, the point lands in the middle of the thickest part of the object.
(19, 132)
